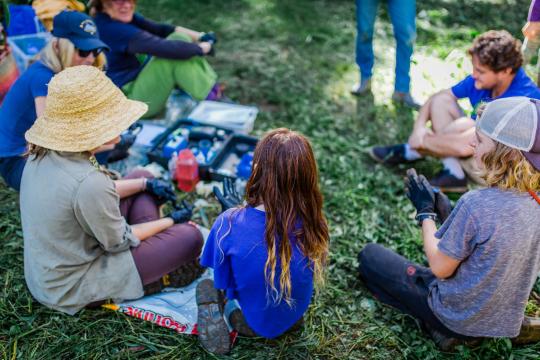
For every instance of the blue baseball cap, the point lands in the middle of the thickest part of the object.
(78, 28)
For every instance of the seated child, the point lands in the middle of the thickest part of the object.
(267, 253)
(484, 260)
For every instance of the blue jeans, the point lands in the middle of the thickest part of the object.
(11, 169)
(403, 16)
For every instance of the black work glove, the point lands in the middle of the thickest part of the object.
(229, 198)
(163, 191)
(182, 214)
(126, 140)
(209, 37)
(420, 193)
(443, 206)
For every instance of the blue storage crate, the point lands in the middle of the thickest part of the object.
(25, 47)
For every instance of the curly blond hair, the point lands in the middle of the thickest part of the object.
(507, 169)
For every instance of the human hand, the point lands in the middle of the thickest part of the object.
(229, 198)
(208, 37)
(207, 48)
(531, 30)
(162, 190)
(182, 214)
(443, 206)
(416, 140)
(420, 193)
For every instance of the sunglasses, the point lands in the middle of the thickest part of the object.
(86, 53)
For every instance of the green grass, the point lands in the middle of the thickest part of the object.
(295, 60)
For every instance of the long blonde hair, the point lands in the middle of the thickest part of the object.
(507, 169)
(58, 60)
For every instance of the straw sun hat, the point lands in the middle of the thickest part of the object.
(84, 110)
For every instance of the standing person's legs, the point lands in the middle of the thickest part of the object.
(403, 17)
(160, 76)
(11, 169)
(400, 283)
(366, 12)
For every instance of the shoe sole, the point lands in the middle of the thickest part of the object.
(375, 157)
(185, 274)
(211, 326)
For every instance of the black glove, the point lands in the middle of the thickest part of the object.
(209, 37)
(420, 193)
(182, 214)
(126, 140)
(443, 206)
(162, 190)
(229, 198)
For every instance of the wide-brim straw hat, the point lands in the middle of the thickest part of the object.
(84, 110)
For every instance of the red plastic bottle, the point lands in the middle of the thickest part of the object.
(187, 170)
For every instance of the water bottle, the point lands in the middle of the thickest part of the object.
(187, 170)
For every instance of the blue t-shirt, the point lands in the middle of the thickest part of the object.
(237, 251)
(122, 66)
(18, 111)
(521, 85)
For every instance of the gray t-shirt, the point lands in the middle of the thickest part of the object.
(496, 236)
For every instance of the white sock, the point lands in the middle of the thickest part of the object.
(411, 154)
(452, 165)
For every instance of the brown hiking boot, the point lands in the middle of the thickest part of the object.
(211, 326)
(183, 276)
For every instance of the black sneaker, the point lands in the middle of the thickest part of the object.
(389, 155)
(447, 182)
(211, 326)
(449, 344)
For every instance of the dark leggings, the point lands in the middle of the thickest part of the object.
(400, 283)
(166, 251)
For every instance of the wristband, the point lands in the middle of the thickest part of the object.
(144, 184)
(423, 216)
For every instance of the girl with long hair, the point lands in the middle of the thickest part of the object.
(485, 258)
(266, 254)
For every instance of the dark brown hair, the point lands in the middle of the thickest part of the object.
(498, 50)
(285, 180)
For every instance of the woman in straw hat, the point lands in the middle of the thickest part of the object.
(88, 238)
(75, 42)
(174, 57)
(485, 258)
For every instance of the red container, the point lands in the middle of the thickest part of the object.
(187, 170)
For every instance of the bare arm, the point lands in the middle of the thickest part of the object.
(194, 35)
(39, 102)
(144, 230)
(440, 264)
(128, 187)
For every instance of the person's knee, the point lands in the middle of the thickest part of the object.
(179, 36)
(406, 36)
(367, 256)
(191, 238)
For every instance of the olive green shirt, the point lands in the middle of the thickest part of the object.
(76, 242)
